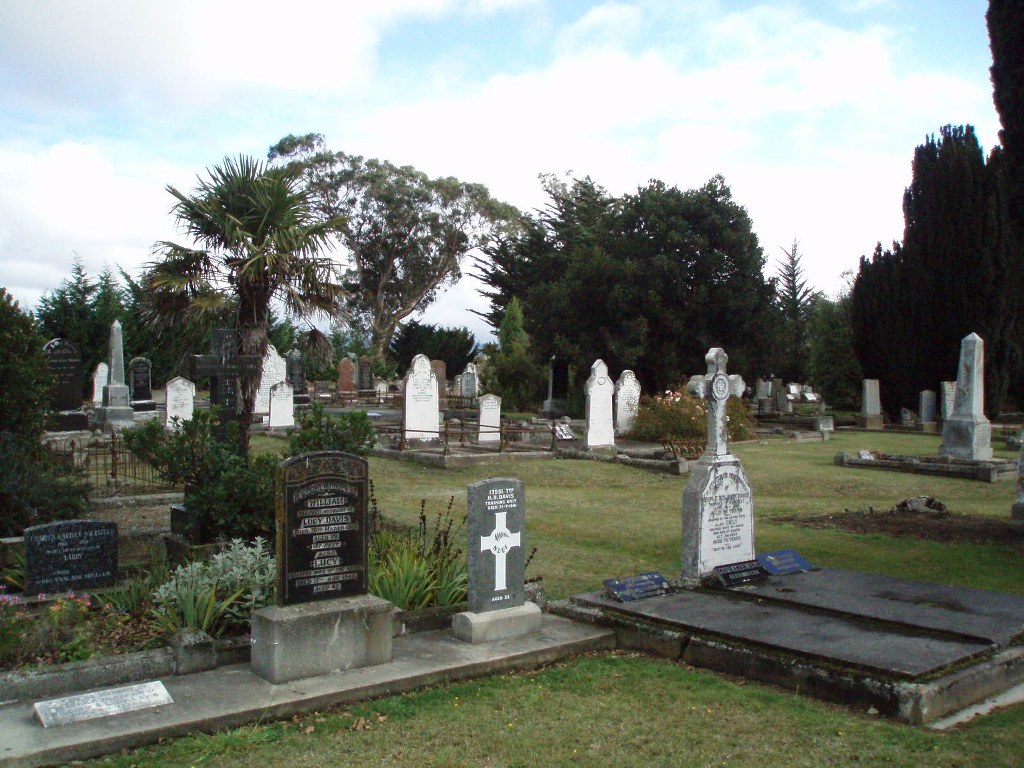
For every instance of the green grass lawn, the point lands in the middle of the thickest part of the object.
(593, 520)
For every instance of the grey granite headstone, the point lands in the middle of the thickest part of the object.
(469, 384)
(365, 373)
(321, 527)
(489, 419)
(763, 389)
(600, 390)
(870, 406)
(718, 506)
(421, 402)
(180, 396)
(70, 554)
(116, 409)
(89, 706)
(496, 524)
(967, 434)
(627, 401)
(926, 406)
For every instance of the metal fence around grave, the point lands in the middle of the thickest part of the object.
(504, 439)
(111, 469)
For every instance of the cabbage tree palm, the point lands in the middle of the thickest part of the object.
(255, 240)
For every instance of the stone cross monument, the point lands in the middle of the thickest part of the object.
(718, 508)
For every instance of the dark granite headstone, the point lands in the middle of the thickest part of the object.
(65, 365)
(737, 574)
(70, 554)
(784, 561)
(295, 366)
(365, 381)
(321, 527)
(223, 366)
(496, 525)
(630, 588)
(140, 377)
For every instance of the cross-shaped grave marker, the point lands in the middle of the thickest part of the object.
(224, 366)
(498, 543)
(720, 386)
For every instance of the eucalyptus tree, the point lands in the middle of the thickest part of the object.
(256, 238)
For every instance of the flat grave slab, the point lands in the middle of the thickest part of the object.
(972, 613)
(853, 641)
(89, 706)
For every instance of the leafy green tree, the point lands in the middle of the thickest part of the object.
(649, 281)
(511, 373)
(406, 234)
(24, 377)
(456, 346)
(259, 239)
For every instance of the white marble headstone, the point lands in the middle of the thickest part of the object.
(181, 396)
(275, 370)
(421, 401)
(490, 419)
(99, 380)
(870, 403)
(469, 383)
(600, 390)
(627, 401)
(282, 405)
(967, 434)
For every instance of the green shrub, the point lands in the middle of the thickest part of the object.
(219, 594)
(35, 489)
(229, 495)
(677, 416)
(318, 431)
(24, 376)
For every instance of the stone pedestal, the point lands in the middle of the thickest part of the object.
(967, 437)
(502, 624)
(871, 422)
(311, 639)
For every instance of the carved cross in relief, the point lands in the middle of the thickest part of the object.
(720, 386)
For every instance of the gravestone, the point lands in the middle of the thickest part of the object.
(295, 364)
(89, 706)
(627, 401)
(695, 386)
(365, 374)
(496, 523)
(967, 434)
(275, 370)
(870, 406)
(141, 386)
(557, 402)
(824, 422)
(65, 365)
(718, 507)
(99, 380)
(116, 411)
(782, 402)
(181, 397)
(282, 405)
(322, 390)
(489, 419)
(599, 389)
(762, 389)
(224, 366)
(1017, 510)
(324, 620)
(346, 376)
(421, 402)
(469, 384)
(926, 410)
(440, 369)
(907, 418)
(947, 391)
(70, 554)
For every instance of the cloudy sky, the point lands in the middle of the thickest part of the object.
(810, 109)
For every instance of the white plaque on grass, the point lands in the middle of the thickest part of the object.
(421, 401)
(282, 405)
(275, 370)
(89, 706)
(599, 390)
(181, 397)
(490, 419)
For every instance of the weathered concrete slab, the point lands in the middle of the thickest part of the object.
(851, 641)
(970, 613)
(231, 696)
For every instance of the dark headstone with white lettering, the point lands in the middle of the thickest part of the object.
(365, 373)
(496, 524)
(70, 554)
(295, 365)
(630, 588)
(224, 366)
(321, 527)
(65, 364)
(140, 379)
(738, 574)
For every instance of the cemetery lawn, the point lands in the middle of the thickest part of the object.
(590, 521)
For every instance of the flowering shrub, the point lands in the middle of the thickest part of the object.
(678, 416)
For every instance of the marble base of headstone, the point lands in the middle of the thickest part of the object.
(115, 410)
(502, 624)
(311, 639)
(967, 437)
(718, 517)
(871, 422)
